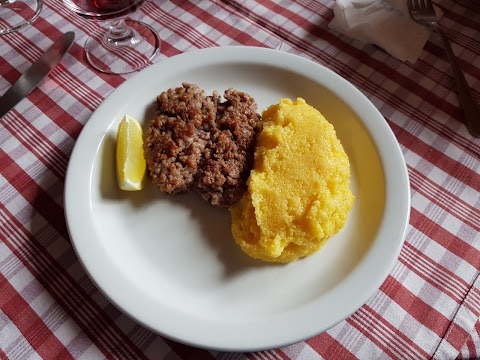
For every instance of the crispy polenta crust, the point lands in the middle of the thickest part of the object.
(299, 189)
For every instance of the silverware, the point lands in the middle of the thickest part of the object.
(35, 73)
(422, 12)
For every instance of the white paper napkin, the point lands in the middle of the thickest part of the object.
(385, 23)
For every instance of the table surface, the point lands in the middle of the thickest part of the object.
(428, 306)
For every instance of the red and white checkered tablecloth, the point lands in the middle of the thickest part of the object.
(429, 305)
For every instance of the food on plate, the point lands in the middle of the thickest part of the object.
(131, 166)
(197, 141)
(299, 189)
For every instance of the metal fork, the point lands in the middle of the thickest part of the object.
(422, 12)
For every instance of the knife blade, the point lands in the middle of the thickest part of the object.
(36, 73)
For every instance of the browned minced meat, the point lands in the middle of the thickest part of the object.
(197, 141)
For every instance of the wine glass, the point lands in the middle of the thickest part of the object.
(16, 14)
(127, 45)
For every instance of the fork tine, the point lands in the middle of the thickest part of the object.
(428, 4)
(411, 5)
(422, 11)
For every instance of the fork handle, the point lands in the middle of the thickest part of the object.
(472, 112)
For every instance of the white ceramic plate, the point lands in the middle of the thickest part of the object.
(171, 263)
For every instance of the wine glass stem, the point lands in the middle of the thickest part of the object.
(119, 32)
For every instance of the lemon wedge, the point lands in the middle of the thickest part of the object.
(131, 163)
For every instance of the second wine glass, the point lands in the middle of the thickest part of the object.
(125, 45)
(17, 14)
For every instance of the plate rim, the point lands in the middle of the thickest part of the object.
(358, 102)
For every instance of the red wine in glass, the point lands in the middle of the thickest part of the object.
(104, 9)
(126, 45)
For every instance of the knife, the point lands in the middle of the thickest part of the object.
(35, 73)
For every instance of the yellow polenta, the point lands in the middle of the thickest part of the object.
(299, 189)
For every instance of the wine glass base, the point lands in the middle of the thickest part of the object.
(125, 56)
(15, 15)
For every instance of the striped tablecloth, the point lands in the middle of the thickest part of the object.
(428, 306)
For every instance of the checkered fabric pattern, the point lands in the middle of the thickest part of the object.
(428, 306)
